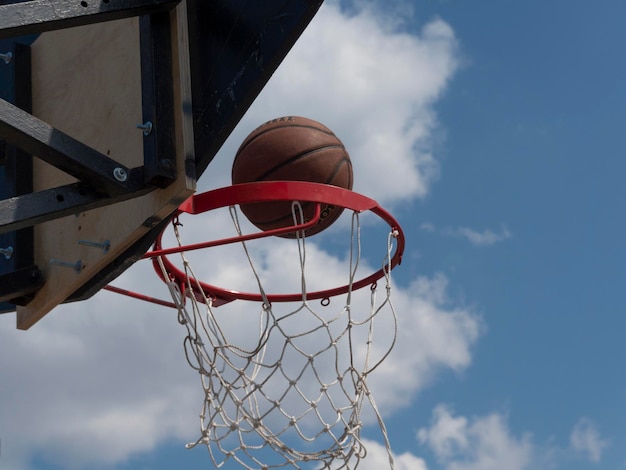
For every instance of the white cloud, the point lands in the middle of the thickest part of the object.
(377, 459)
(374, 87)
(447, 435)
(486, 237)
(487, 443)
(586, 439)
(108, 371)
(482, 443)
(433, 336)
(427, 227)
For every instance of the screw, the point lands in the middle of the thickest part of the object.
(146, 127)
(105, 245)
(167, 164)
(7, 57)
(120, 174)
(7, 252)
(77, 266)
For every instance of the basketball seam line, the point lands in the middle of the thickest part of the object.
(247, 142)
(300, 156)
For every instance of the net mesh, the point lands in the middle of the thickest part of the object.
(294, 398)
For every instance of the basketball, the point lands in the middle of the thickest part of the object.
(292, 148)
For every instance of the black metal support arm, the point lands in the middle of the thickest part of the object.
(18, 285)
(35, 208)
(38, 16)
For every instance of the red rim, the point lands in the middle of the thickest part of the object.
(271, 191)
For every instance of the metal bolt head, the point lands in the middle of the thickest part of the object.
(167, 164)
(120, 174)
(146, 127)
(7, 252)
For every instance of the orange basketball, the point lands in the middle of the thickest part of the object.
(292, 148)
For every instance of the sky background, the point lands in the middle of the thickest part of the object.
(494, 132)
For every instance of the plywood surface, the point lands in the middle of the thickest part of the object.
(86, 82)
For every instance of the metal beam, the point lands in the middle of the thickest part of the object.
(16, 178)
(234, 49)
(35, 208)
(38, 16)
(19, 284)
(157, 96)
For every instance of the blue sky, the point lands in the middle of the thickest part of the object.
(494, 132)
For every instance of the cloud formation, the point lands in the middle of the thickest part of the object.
(378, 459)
(487, 443)
(485, 237)
(586, 440)
(434, 335)
(482, 443)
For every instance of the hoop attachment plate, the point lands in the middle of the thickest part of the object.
(266, 191)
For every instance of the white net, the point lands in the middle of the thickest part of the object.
(295, 397)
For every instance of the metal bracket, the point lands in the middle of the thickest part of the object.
(30, 209)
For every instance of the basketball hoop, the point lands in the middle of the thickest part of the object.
(264, 192)
(295, 396)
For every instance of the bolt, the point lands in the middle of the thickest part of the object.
(77, 266)
(7, 57)
(167, 164)
(146, 127)
(120, 174)
(7, 252)
(104, 246)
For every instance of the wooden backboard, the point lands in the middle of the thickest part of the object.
(100, 104)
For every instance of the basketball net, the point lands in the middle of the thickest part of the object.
(297, 395)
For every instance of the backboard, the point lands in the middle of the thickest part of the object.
(110, 111)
